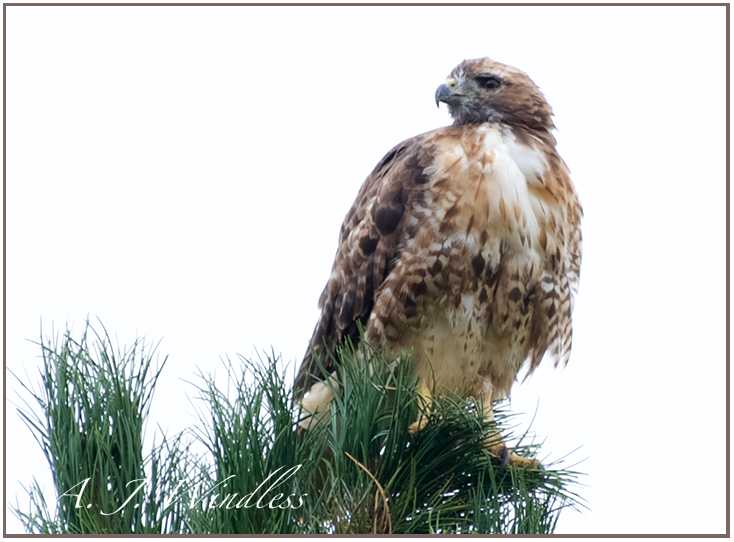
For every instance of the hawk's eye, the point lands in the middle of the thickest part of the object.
(489, 82)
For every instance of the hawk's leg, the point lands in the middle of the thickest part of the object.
(317, 404)
(423, 409)
(494, 442)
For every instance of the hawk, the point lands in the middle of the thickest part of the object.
(463, 245)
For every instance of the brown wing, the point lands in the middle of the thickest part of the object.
(368, 246)
(559, 283)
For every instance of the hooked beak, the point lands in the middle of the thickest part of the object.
(445, 91)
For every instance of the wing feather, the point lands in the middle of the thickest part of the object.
(369, 243)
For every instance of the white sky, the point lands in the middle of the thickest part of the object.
(182, 173)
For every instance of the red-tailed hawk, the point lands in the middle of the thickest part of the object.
(464, 245)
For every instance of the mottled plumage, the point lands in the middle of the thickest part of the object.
(464, 245)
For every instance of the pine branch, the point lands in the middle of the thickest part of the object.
(358, 470)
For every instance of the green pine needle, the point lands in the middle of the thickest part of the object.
(358, 470)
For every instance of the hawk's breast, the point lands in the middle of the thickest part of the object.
(462, 289)
(480, 183)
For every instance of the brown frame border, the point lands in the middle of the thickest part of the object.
(465, 4)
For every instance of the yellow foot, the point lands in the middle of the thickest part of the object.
(424, 401)
(418, 425)
(525, 462)
(511, 458)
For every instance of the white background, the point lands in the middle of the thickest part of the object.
(182, 173)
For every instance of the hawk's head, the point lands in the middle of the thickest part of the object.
(482, 90)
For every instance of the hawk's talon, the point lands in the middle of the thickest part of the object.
(508, 458)
(502, 454)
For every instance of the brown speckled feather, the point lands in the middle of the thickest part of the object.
(368, 246)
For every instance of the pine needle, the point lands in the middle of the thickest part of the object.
(260, 473)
